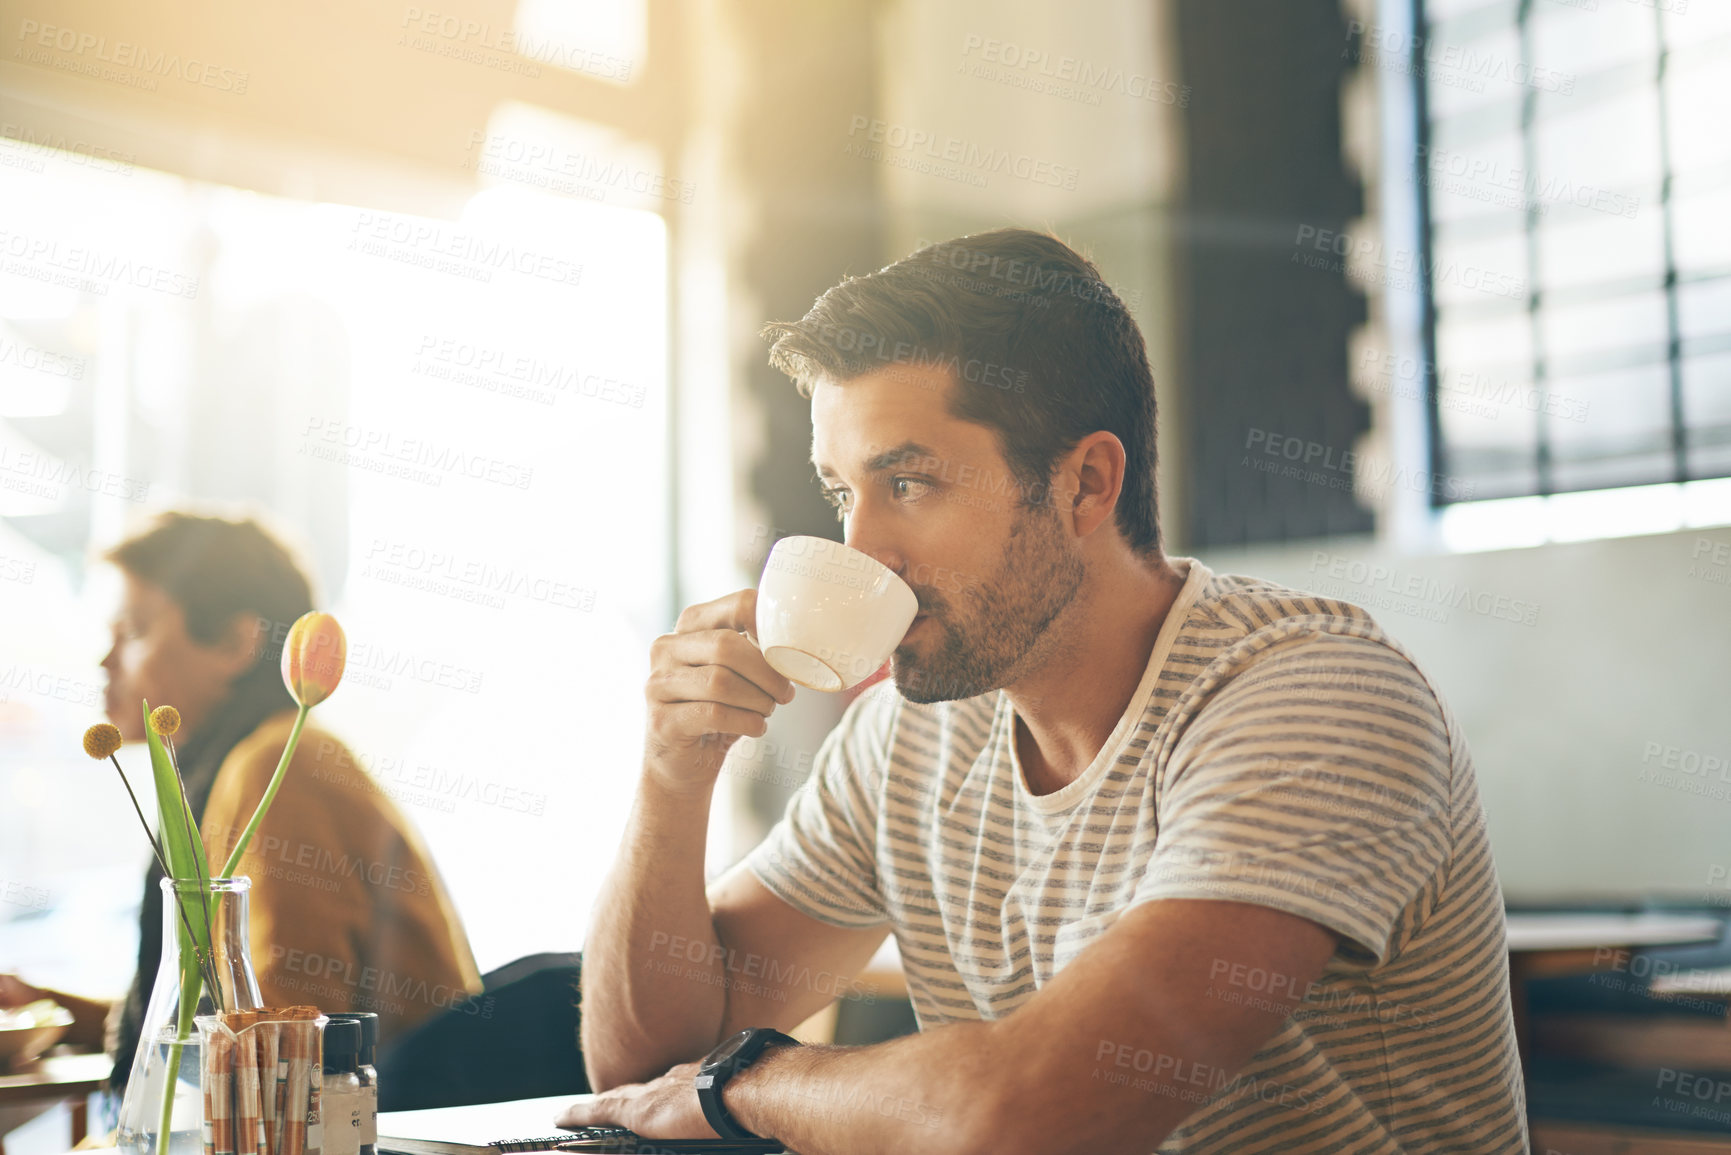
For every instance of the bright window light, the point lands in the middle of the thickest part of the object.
(464, 421)
(604, 39)
(1515, 522)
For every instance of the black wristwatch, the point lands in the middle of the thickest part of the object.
(734, 1055)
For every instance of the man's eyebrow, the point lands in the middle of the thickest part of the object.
(888, 459)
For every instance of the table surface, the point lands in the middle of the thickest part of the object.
(54, 1076)
(1702, 981)
(1568, 930)
(1528, 931)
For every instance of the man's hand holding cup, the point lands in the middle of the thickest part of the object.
(824, 615)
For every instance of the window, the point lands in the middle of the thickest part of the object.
(1577, 181)
(464, 422)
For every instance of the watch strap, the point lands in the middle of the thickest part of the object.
(709, 1098)
(712, 1078)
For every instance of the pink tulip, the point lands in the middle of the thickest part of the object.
(313, 658)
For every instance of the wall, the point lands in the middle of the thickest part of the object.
(974, 119)
(1571, 719)
(1100, 164)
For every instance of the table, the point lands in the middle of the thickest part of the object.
(1541, 944)
(27, 1091)
(1533, 931)
(1700, 981)
(1545, 944)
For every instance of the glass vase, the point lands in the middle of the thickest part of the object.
(206, 967)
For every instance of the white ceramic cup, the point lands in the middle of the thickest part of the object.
(828, 616)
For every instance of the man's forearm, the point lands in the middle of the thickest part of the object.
(923, 1092)
(643, 1010)
(975, 1088)
(1108, 1058)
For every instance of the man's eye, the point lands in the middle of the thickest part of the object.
(908, 486)
(838, 499)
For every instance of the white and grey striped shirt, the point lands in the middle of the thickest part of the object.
(1280, 750)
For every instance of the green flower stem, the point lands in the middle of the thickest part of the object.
(155, 846)
(288, 753)
(156, 849)
(190, 983)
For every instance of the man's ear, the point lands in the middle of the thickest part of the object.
(242, 643)
(1096, 468)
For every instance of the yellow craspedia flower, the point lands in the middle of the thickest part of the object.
(101, 740)
(165, 720)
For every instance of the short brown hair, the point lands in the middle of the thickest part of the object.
(1041, 349)
(215, 568)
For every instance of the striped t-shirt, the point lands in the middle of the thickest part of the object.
(1280, 750)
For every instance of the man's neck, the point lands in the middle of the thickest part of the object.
(1070, 705)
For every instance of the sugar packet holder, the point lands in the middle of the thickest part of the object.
(261, 1073)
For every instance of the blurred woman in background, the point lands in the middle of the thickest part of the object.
(347, 912)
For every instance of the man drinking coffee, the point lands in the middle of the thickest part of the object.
(1174, 859)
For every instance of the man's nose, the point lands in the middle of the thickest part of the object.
(883, 552)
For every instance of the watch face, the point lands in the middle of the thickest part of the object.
(727, 1049)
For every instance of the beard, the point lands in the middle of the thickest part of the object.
(998, 630)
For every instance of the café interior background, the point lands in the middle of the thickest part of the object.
(466, 297)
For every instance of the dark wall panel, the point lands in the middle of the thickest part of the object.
(1267, 313)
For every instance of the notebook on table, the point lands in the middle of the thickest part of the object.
(527, 1125)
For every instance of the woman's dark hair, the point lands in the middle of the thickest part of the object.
(214, 568)
(1041, 349)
